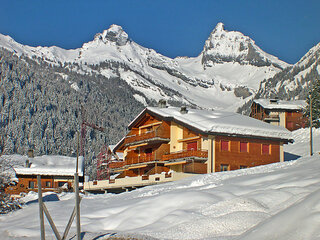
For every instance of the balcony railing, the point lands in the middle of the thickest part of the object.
(117, 164)
(185, 154)
(140, 159)
(272, 118)
(160, 133)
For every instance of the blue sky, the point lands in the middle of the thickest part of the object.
(286, 29)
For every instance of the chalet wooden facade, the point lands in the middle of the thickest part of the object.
(57, 174)
(288, 114)
(27, 183)
(168, 139)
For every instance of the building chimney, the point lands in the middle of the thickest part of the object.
(183, 110)
(274, 100)
(28, 163)
(30, 153)
(162, 103)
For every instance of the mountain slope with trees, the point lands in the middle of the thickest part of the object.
(293, 82)
(40, 110)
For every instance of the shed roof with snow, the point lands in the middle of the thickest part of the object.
(48, 165)
(275, 104)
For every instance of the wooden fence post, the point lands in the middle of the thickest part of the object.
(77, 197)
(42, 231)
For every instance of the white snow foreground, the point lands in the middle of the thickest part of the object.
(276, 201)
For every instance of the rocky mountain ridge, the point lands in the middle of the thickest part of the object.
(293, 82)
(227, 71)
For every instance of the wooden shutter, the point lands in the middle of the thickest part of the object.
(224, 145)
(243, 147)
(265, 148)
(290, 125)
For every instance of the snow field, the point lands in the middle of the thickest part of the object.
(276, 201)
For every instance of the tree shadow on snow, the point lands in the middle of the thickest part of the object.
(48, 198)
(290, 156)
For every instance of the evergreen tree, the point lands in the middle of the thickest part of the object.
(314, 93)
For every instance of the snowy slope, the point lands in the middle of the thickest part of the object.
(293, 83)
(276, 201)
(225, 74)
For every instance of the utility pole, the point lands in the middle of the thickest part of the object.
(77, 197)
(311, 122)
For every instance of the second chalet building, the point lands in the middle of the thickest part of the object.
(288, 114)
(169, 143)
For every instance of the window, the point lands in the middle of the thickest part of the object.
(224, 145)
(243, 147)
(192, 146)
(48, 184)
(224, 167)
(32, 184)
(265, 148)
(243, 167)
(61, 184)
(148, 153)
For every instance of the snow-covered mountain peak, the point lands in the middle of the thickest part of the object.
(228, 71)
(219, 28)
(232, 46)
(313, 53)
(114, 33)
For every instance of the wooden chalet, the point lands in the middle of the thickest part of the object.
(164, 142)
(57, 174)
(288, 114)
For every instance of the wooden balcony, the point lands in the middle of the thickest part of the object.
(117, 164)
(197, 154)
(140, 159)
(156, 136)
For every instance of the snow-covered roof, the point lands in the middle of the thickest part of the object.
(49, 165)
(120, 155)
(281, 104)
(219, 122)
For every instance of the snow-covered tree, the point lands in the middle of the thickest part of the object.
(314, 94)
(7, 204)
